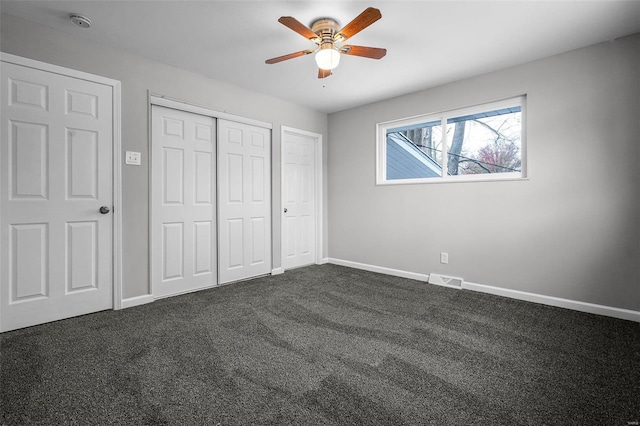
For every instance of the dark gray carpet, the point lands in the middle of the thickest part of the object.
(325, 345)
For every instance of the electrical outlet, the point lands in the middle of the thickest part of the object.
(444, 257)
(132, 158)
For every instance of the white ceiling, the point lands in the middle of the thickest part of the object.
(428, 43)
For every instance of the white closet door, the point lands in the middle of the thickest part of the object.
(56, 174)
(299, 225)
(244, 201)
(183, 252)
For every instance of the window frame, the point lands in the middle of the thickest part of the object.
(442, 116)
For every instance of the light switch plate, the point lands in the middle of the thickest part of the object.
(132, 158)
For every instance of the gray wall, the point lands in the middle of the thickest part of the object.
(138, 76)
(572, 230)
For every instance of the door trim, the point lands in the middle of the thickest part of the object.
(117, 167)
(165, 101)
(318, 192)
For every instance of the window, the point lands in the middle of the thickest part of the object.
(485, 142)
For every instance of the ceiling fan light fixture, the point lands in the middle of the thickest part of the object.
(327, 58)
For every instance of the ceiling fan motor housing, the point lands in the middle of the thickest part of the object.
(328, 57)
(325, 28)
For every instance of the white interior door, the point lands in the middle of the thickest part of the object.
(56, 173)
(299, 199)
(183, 222)
(244, 201)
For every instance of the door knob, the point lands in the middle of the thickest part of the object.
(104, 209)
(285, 210)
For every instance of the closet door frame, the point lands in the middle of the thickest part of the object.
(317, 190)
(159, 100)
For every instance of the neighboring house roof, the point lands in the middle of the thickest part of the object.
(407, 161)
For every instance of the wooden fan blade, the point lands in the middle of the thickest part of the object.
(362, 21)
(300, 28)
(367, 52)
(323, 73)
(289, 56)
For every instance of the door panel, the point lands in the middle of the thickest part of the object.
(173, 251)
(203, 162)
(82, 273)
(82, 163)
(235, 243)
(258, 242)
(299, 224)
(203, 247)
(183, 252)
(56, 162)
(28, 164)
(173, 176)
(29, 254)
(244, 181)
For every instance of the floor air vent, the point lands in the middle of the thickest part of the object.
(445, 280)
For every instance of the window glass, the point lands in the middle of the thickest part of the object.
(489, 142)
(482, 142)
(414, 152)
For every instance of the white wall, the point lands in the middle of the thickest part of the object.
(572, 230)
(138, 77)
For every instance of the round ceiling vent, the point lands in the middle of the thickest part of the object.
(79, 20)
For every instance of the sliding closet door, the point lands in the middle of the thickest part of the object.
(183, 252)
(244, 201)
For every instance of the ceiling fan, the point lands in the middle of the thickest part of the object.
(325, 33)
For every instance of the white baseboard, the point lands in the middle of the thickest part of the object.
(323, 261)
(380, 269)
(625, 314)
(592, 308)
(137, 300)
(575, 305)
